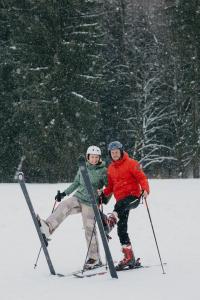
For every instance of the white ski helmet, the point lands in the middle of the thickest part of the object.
(93, 150)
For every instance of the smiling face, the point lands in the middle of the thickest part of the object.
(115, 154)
(93, 159)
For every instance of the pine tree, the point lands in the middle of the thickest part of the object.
(185, 42)
(53, 61)
(135, 97)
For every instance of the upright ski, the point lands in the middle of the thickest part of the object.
(86, 179)
(30, 206)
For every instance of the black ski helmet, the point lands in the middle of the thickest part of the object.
(115, 145)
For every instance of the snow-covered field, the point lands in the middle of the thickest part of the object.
(175, 210)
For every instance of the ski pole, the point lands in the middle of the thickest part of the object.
(91, 241)
(154, 235)
(35, 265)
(89, 246)
(54, 206)
(101, 210)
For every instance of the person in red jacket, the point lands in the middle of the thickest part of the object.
(127, 182)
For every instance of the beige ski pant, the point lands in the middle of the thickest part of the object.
(72, 206)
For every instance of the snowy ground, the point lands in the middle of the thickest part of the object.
(175, 210)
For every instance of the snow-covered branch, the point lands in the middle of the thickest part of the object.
(81, 97)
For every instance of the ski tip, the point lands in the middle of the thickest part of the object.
(21, 176)
(81, 158)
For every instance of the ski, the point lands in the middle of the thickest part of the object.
(86, 179)
(99, 273)
(83, 271)
(79, 275)
(43, 242)
(89, 275)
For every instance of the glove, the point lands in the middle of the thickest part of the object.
(145, 194)
(102, 199)
(59, 196)
(112, 220)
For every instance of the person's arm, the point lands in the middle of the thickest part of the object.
(103, 182)
(74, 185)
(109, 188)
(141, 178)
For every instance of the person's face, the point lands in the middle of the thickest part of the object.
(115, 154)
(93, 159)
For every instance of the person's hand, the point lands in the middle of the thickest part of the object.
(59, 196)
(145, 194)
(99, 192)
(102, 199)
(112, 219)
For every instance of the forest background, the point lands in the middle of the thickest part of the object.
(79, 72)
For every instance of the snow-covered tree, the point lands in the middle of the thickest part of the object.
(51, 53)
(136, 98)
(185, 75)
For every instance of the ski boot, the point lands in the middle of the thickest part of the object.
(45, 230)
(92, 264)
(128, 262)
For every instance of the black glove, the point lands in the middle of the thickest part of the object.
(102, 199)
(59, 196)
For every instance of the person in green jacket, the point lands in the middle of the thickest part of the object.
(79, 203)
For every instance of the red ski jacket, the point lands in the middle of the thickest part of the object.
(125, 178)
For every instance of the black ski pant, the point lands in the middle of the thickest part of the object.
(122, 207)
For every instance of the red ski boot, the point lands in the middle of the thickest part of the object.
(128, 261)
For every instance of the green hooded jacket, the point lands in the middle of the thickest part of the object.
(98, 177)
